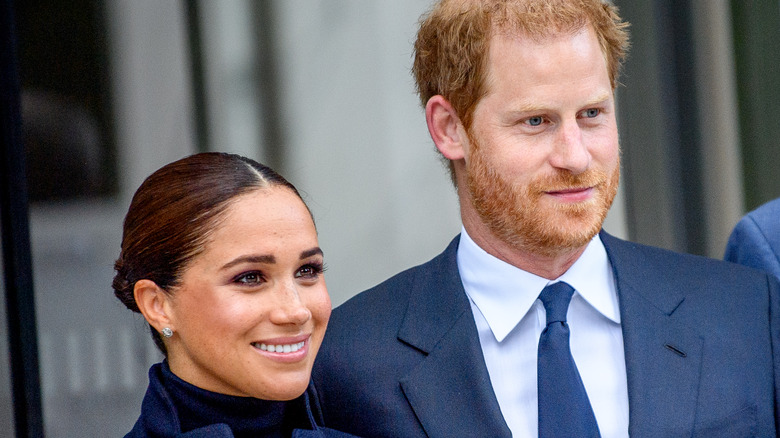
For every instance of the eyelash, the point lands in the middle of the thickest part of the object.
(597, 110)
(541, 120)
(315, 269)
(241, 278)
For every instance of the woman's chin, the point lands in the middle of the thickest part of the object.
(282, 387)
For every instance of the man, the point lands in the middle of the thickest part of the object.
(519, 97)
(755, 240)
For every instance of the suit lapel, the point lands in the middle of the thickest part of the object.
(450, 391)
(663, 355)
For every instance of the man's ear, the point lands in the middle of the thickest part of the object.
(445, 128)
(154, 304)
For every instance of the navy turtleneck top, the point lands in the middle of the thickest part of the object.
(246, 416)
(175, 408)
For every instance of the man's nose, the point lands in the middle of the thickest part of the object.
(569, 151)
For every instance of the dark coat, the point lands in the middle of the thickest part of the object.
(159, 416)
(702, 351)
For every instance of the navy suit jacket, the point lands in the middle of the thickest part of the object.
(701, 345)
(755, 240)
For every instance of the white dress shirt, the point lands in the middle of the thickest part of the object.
(510, 318)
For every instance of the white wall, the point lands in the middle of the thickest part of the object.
(359, 146)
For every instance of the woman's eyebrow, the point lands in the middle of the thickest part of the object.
(268, 259)
(311, 252)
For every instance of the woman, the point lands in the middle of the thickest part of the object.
(220, 255)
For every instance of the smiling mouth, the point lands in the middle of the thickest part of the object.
(281, 348)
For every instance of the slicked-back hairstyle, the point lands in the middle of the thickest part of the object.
(173, 214)
(452, 46)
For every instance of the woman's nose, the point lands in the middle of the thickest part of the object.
(290, 309)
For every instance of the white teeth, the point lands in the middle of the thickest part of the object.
(288, 348)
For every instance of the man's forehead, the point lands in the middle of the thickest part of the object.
(537, 34)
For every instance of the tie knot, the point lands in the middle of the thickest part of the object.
(556, 298)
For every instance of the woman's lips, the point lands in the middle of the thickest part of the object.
(284, 349)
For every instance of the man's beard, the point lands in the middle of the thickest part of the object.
(516, 215)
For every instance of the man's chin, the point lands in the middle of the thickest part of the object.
(562, 245)
(564, 235)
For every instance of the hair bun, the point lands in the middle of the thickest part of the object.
(123, 288)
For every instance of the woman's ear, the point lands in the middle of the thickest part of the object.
(445, 128)
(154, 304)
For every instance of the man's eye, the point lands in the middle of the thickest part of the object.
(592, 112)
(535, 121)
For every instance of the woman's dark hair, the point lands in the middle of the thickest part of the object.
(173, 213)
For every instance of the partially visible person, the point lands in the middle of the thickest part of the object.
(220, 256)
(534, 322)
(755, 240)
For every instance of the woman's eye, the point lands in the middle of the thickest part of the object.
(249, 278)
(309, 271)
(592, 112)
(535, 121)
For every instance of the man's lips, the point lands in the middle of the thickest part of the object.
(572, 194)
(568, 190)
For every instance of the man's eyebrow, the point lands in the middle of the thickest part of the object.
(529, 107)
(598, 99)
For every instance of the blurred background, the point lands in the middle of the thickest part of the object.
(320, 90)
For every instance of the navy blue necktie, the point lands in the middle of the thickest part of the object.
(564, 408)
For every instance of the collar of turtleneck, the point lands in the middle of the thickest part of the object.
(173, 406)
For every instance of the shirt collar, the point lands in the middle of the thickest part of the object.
(504, 293)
